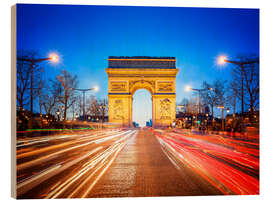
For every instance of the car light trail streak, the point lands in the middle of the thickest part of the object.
(229, 170)
(77, 165)
(69, 165)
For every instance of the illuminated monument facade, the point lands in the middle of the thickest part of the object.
(128, 74)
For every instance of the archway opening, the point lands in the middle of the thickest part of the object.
(142, 108)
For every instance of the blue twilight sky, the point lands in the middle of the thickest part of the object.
(85, 36)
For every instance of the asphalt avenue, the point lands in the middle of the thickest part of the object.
(135, 163)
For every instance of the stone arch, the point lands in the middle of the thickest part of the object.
(141, 84)
(126, 75)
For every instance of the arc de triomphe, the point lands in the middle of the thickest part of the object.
(128, 74)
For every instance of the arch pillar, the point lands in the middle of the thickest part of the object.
(120, 109)
(163, 109)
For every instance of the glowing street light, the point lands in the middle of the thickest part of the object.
(187, 88)
(223, 59)
(52, 57)
(96, 88)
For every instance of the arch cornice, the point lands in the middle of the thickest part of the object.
(141, 72)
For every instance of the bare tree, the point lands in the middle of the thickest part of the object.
(233, 95)
(214, 95)
(192, 106)
(39, 89)
(49, 97)
(219, 88)
(209, 96)
(25, 73)
(184, 104)
(103, 106)
(252, 86)
(28, 74)
(250, 72)
(77, 107)
(66, 83)
(23, 83)
(93, 106)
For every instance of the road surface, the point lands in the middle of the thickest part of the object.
(133, 162)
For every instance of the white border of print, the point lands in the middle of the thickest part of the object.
(264, 104)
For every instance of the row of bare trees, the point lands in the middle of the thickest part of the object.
(52, 95)
(251, 83)
(213, 96)
(228, 93)
(97, 107)
(25, 74)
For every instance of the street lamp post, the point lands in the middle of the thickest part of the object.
(52, 57)
(84, 91)
(223, 59)
(58, 114)
(199, 95)
(101, 108)
(207, 121)
(222, 120)
(222, 116)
